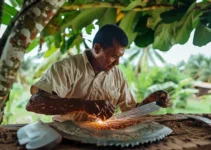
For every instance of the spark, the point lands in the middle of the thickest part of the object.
(99, 121)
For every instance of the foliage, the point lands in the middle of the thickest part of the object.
(15, 111)
(160, 23)
(198, 67)
(169, 78)
(155, 78)
(142, 58)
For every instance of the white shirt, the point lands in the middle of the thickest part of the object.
(74, 77)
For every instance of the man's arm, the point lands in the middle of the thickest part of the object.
(46, 103)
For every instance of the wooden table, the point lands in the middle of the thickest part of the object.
(187, 134)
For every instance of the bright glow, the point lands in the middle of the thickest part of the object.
(100, 121)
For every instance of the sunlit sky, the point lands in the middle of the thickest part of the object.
(182, 52)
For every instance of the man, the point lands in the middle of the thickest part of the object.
(89, 85)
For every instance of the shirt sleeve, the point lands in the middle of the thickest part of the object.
(59, 78)
(126, 100)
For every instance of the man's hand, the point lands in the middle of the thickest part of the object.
(102, 109)
(160, 96)
(163, 98)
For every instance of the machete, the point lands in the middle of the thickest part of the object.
(137, 112)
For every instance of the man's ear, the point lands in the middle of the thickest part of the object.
(97, 48)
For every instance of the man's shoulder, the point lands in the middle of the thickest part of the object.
(72, 59)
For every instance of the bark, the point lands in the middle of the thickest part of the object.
(25, 7)
(25, 29)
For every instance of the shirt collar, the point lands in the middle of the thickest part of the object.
(85, 58)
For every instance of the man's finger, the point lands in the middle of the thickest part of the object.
(111, 112)
(108, 115)
(112, 107)
(97, 106)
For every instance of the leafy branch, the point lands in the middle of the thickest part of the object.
(112, 5)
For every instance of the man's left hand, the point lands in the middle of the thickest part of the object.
(161, 96)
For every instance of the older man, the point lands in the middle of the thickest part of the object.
(89, 85)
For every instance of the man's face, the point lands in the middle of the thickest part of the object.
(109, 57)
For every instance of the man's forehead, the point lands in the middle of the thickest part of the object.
(117, 51)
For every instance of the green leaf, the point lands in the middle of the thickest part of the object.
(187, 2)
(162, 86)
(128, 24)
(77, 42)
(50, 51)
(19, 2)
(202, 35)
(86, 17)
(143, 40)
(66, 44)
(151, 58)
(125, 2)
(158, 56)
(205, 19)
(166, 35)
(14, 3)
(78, 2)
(173, 15)
(33, 44)
(89, 28)
(68, 17)
(172, 1)
(155, 18)
(53, 27)
(58, 39)
(6, 18)
(134, 4)
(9, 9)
(141, 26)
(108, 18)
(49, 41)
(162, 1)
(89, 1)
(133, 54)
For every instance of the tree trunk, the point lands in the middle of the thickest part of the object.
(25, 29)
(142, 61)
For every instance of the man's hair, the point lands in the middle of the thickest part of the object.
(109, 33)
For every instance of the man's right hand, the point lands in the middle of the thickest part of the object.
(102, 109)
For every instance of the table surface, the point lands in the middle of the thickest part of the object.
(187, 134)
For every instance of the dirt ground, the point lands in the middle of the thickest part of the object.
(187, 134)
(8, 140)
